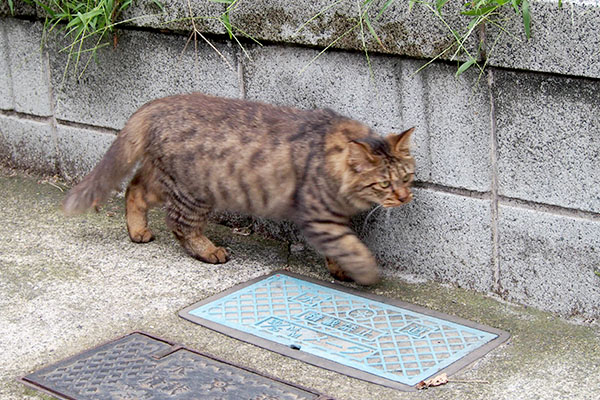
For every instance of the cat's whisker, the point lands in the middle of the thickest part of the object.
(379, 206)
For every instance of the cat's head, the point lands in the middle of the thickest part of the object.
(381, 170)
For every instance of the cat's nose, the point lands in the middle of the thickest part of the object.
(404, 195)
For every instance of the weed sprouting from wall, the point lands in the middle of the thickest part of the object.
(90, 25)
(498, 13)
(480, 13)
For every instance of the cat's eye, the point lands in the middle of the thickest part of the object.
(384, 184)
(406, 178)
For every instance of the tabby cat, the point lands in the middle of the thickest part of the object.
(197, 153)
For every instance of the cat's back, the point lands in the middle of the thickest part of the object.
(220, 128)
(247, 156)
(175, 114)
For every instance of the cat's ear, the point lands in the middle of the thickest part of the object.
(360, 156)
(401, 142)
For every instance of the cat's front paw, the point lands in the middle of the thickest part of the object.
(143, 236)
(336, 271)
(367, 276)
(216, 255)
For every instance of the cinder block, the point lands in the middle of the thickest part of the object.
(452, 140)
(79, 150)
(27, 144)
(414, 111)
(177, 15)
(337, 80)
(548, 130)
(439, 236)
(550, 261)
(563, 40)
(417, 32)
(458, 119)
(28, 67)
(342, 81)
(142, 67)
(6, 94)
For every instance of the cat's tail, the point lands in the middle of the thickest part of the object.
(119, 161)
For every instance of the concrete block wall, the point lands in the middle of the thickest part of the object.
(507, 199)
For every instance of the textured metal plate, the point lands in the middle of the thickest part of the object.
(139, 366)
(380, 340)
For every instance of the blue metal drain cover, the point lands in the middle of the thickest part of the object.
(368, 337)
(140, 366)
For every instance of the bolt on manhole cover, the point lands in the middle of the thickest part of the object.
(140, 366)
(380, 340)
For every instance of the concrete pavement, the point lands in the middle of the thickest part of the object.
(68, 284)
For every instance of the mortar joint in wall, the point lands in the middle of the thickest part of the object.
(52, 118)
(241, 78)
(24, 116)
(452, 190)
(494, 186)
(549, 209)
(95, 128)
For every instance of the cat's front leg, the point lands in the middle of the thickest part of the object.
(341, 245)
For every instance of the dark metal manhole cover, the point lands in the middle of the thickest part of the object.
(368, 337)
(139, 366)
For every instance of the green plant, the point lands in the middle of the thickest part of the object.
(480, 12)
(362, 22)
(87, 23)
(81, 21)
(225, 19)
(11, 6)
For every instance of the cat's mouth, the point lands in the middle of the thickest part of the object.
(396, 202)
(390, 204)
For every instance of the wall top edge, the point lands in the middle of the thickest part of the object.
(564, 40)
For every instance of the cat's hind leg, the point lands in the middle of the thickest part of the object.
(142, 194)
(188, 226)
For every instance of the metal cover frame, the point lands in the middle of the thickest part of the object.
(174, 347)
(288, 351)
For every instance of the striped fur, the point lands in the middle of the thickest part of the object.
(198, 153)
